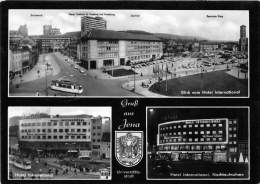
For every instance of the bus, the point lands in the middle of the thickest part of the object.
(23, 164)
(66, 86)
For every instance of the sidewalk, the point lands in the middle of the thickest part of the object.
(40, 66)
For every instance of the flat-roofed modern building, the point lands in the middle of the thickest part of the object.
(52, 43)
(199, 139)
(101, 48)
(56, 133)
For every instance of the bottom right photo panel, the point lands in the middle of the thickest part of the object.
(198, 142)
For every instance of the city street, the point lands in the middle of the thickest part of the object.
(92, 86)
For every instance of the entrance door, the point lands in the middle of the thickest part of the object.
(93, 64)
(122, 61)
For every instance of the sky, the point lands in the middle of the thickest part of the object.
(95, 111)
(225, 26)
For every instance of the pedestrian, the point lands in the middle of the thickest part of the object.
(37, 93)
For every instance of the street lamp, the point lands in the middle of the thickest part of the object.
(134, 78)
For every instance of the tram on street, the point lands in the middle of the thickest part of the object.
(66, 86)
(23, 164)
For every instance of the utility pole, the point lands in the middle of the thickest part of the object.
(46, 85)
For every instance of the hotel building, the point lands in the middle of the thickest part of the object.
(102, 48)
(59, 134)
(200, 139)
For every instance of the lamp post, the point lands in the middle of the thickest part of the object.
(134, 78)
(46, 85)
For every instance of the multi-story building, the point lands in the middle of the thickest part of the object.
(101, 48)
(243, 40)
(48, 30)
(101, 137)
(52, 43)
(199, 139)
(208, 46)
(23, 30)
(19, 61)
(89, 23)
(55, 133)
(105, 145)
(80, 134)
(72, 49)
(55, 31)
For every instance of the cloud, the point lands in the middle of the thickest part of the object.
(182, 22)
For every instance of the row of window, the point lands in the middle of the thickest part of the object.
(192, 147)
(139, 52)
(108, 55)
(143, 42)
(208, 132)
(232, 129)
(55, 123)
(208, 139)
(232, 122)
(191, 126)
(55, 130)
(56, 137)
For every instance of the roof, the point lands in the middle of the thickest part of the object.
(99, 34)
(73, 34)
(72, 116)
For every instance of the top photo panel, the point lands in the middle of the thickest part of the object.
(128, 53)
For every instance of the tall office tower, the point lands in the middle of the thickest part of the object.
(89, 23)
(243, 41)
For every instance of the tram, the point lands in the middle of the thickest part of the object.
(23, 164)
(66, 86)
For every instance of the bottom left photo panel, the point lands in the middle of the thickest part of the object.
(59, 143)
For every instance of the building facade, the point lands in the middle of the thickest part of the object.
(62, 134)
(243, 40)
(208, 46)
(102, 48)
(49, 31)
(52, 43)
(23, 30)
(201, 139)
(19, 62)
(89, 23)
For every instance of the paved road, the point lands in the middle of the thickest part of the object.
(91, 85)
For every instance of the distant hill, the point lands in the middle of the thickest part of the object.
(177, 37)
(137, 32)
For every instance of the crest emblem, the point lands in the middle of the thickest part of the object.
(129, 147)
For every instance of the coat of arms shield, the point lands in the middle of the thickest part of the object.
(129, 147)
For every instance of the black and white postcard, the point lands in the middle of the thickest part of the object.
(122, 92)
